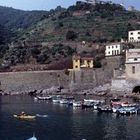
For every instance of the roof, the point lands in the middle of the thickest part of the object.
(77, 57)
(87, 58)
(134, 50)
(134, 31)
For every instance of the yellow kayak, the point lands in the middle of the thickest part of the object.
(24, 116)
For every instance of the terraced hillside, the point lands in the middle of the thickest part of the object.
(51, 37)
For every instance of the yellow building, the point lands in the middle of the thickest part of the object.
(82, 62)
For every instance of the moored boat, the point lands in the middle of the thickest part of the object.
(105, 108)
(127, 110)
(56, 100)
(94, 101)
(87, 105)
(63, 101)
(44, 97)
(77, 104)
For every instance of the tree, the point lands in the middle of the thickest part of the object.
(71, 35)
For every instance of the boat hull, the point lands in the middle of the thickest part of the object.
(28, 117)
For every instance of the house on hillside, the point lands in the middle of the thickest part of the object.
(80, 62)
(134, 36)
(114, 49)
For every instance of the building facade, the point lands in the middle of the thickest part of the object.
(134, 36)
(113, 49)
(132, 63)
(82, 62)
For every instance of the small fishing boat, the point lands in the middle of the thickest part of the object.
(77, 104)
(56, 100)
(44, 97)
(94, 101)
(27, 117)
(105, 108)
(127, 110)
(63, 101)
(87, 105)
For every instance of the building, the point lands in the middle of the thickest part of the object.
(131, 8)
(82, 62)
(94, 2)
(134, 36)
(113, 49)
(132, 63)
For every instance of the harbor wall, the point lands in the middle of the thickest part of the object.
(26, 81)
(38, 80)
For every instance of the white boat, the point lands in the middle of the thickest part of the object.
(77, 104)
(44, 97)
(63, 101)
(56, 100)
(94, 101)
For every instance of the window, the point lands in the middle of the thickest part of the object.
(131, 38)
(112, 47)
(135, 59)
(138, 32)
(112, 52)
(138, 37)
(131, 33)
(133, 69)
(117, 51)
(108, 52)
(76, 66)
(116, 46)
(108, 47)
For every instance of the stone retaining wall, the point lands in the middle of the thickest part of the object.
(25, 81)
(74, 80)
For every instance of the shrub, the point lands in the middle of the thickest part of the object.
(71, 35)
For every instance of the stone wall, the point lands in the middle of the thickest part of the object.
(74, 80)
(124, 85)
(25, 81)
(113, 62)
(88, 78)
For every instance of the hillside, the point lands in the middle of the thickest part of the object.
(51, 37)
(99, 23)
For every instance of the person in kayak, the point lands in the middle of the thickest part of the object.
(22, 113)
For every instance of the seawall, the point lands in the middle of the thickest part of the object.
(73, 80)
(26, 81)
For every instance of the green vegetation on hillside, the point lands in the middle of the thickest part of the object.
(61, 30)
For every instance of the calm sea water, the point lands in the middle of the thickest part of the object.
(63, 122)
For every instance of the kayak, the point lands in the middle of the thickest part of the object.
(24, 116)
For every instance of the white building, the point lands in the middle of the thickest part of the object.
(134, 36)
(113, 49)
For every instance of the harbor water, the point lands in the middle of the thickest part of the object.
(62, 122)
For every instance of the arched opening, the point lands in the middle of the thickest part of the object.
(136, 89)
